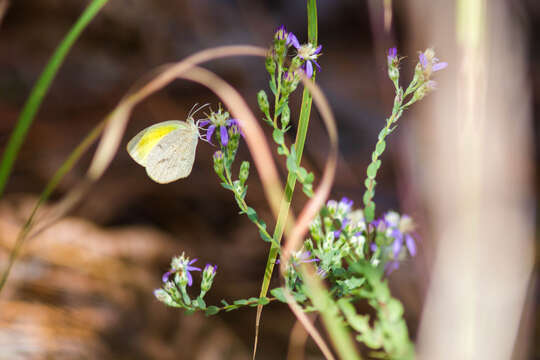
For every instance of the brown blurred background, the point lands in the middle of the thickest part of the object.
(83, 289)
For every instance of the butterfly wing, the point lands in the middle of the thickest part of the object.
(173, 156)
(142, 144)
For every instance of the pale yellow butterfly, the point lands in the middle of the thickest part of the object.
(167, 149)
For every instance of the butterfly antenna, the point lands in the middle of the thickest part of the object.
(193, 111)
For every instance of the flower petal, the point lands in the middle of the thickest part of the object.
(439, 66)
(193, 268)
(203, 122)
(209, 133)
(165, 276)
(189, 278)
(317, 50)
(309, 69)
(293, 40)
(224, 135)
(423, 60)
(396, 247)
(317, 64)
(409, 241)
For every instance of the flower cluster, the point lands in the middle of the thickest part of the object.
(306, 54)
(398, 229)
(339, 237)
(175, 282)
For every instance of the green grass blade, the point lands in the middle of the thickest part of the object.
(303, 124)
(40, 90)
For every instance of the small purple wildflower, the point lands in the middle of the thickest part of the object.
(210, 268)
(392, 55)
(430, 63)
(292, 40)
(391, 266)
(220, 120)
(344, 223)
(322, 274)
(183, 265)
(307, 52)
(398, 228)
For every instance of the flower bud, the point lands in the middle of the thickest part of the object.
(244, 172)
(218, 163)
(208, 275)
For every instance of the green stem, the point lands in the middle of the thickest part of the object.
(303, 124)
(242, 203)
(235, 306)
(40, 90)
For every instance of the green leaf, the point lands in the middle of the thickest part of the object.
(372, 170)
(282, 104)
(291, 163)
(368, 181)
(301, 173)
(273, 87)
(224, 302)
(252, 214)
(227, 186)
(278, 136)
(281, 150)
(278, 294)
(263, 301)
(368, 195)
(383, 133)
(264, 236)
(211, 310)
(240, 302)
(308, 189)
(379, 149)
(285, 117)
(201, 303)
(369, 212)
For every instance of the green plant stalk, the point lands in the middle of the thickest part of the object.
(303, 124)
(242, 203)
(331, 316)
(40, 90)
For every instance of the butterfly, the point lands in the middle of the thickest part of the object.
(167, 149)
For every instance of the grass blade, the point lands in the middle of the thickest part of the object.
(303, 124)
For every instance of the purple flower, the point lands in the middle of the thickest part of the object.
(210, 268)
(185, 266)
(322, 274)
(429, 62)
(392, 55)
(292, 40)
(411, 245)
(307, 52)
(344, 223)
(220, 120)
(391, 266)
